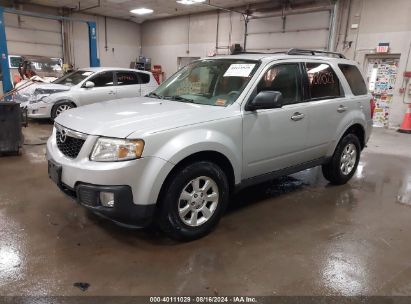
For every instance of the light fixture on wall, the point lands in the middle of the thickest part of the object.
(189, 2)
(142, 11)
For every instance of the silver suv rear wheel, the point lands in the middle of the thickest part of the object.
(344, 161)
(348, 159)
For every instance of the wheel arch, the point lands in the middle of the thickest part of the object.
(215, 157)
(358, 130)
(64, 100)
(355, 128)
(59, 102)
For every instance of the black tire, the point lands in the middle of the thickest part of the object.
(332, 171)
(58, 105)
(169, 219)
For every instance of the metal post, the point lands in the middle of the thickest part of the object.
(332, 28)
(245, 31)
(92, 38)
(4, 55)
(92, 33)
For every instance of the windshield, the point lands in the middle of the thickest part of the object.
(216, 82)
(73, 78)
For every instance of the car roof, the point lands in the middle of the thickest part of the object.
(101, 69)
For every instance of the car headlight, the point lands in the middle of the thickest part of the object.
(112, 149)
(39, 98)
(42, 97)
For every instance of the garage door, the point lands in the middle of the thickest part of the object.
(309, 30)
(33, 36)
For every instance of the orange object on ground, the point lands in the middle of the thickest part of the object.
(406, 123)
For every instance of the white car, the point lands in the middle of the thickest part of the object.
(87, 86)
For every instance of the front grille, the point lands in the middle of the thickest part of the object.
(68, 145)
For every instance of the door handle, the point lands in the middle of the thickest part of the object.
(111, 93)
(342, 109)
(297, 116)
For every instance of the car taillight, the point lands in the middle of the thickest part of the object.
(372, 107)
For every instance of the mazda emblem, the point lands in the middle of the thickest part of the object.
(63, 136)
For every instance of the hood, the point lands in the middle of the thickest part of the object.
(120, 118)
(53, 86)
(28, 91)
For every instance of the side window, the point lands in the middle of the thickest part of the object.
(104, 79)
(144, 78)
(284, 78)
(354, 79)
(323, 83)
(127, 78)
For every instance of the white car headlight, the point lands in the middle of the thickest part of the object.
(42, 97)
(39, 98)
(112, 149)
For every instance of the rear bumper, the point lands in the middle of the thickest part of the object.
(369, 130)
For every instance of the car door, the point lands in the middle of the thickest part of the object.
(274, 139)
(327, 106)
(128, 84)
(103, 89)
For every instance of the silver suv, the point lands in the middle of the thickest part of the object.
(217, 125)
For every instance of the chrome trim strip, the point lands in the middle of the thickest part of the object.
(71, 133)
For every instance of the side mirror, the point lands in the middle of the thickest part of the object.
(89, 85)
(266, 100)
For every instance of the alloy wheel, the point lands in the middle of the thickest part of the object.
(198, 201)
(61, 108)
(348, 159)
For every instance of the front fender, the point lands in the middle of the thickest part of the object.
(183, 144)
(173, 148)
(61, 97)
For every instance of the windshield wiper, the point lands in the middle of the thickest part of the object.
(179, 98)
(153, 94)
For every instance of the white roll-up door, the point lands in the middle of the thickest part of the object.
(33, 36)
(308, 30)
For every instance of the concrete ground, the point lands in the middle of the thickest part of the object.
(294, 236)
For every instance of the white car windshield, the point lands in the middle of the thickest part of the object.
(73, 78)
(216, 82)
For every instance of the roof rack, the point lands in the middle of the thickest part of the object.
(313, 53)
(295, 51)
(258, 53)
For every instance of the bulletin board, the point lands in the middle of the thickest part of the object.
(381, 75)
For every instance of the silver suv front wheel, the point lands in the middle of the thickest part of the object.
(193, 200)
(198, 201)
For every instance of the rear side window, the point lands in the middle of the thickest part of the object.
(144, 78)
(354, 79)
(323, 83)
(127, 78)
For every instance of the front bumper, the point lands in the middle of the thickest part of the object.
(135, 183)
(39, 110)
(124, 212)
